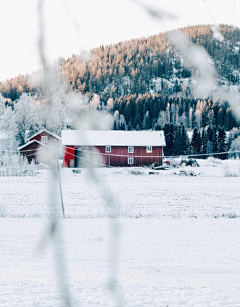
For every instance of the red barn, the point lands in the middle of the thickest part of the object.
(117, 148)
(38, 141)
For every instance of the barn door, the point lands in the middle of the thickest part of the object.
(78, 155)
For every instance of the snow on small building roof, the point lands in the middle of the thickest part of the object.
(43, 130)
(29, 143)
(112, 138)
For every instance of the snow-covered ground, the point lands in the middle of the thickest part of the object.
(214, 192)
(179, 238)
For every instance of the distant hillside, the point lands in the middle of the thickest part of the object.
(140, 66)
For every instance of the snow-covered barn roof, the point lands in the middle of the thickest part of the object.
(29, 143)
(112, 138)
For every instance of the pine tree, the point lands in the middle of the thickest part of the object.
(178, 144)
(137, 127)
(214, 142)
(222, 145)
(147, 121)
(196, 142)
(204, 143)
(157, 126)
(129, 126)
(169, 132)
(185, 142)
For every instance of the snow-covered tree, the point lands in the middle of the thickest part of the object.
(162, 119)
(168, 113)
(211, 118)
(173, 112)
(2, 104)
(190, 117)
(27, 117)
(198, 114)
(119, 121)
(235, 146)
(110, 104)
(122, 122)
(147, 121)
(59, 117)
(183, 119)
(95, 102)
(8, 126)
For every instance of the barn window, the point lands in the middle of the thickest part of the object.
(130, 160)
(149, 148)
(108, 149)
(44, 139)
(130, 149)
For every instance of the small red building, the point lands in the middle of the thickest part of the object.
(117, 148)
(36, 142)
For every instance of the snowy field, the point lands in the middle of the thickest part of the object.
(179, 238)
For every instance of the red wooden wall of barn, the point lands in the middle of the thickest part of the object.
(30, 151)
(44, 133)
(119, 155)
(69, 154)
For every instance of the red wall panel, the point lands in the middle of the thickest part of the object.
(69, 153)
(119, 155)
(44, 133)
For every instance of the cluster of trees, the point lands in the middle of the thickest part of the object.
(202, 142)
(151, 112)
(140, 66)
(27, 115)
(133, 66)
(234, 140)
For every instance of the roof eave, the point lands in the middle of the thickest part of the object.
(29, 143)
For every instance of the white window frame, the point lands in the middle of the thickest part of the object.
(148, 149)
(130, 160)
(108, 149)
(130, 149)
(44, 139)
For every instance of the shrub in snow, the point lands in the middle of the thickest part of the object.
(16, 165)
(231, 172)
(214, 160)
(235, 146)
(3, 211)
(231, 215)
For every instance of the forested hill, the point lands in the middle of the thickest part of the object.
(144, 85)
(141, 66)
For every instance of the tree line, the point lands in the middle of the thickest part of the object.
(151, 112)
(202, 142)
(205, 136)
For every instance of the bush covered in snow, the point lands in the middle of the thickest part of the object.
(16, 165)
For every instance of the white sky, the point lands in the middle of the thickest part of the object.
(100, 22)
